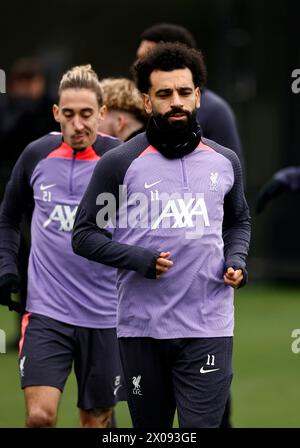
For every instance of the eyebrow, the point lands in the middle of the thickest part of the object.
(85, 109)
(169, 90)
(166, 90)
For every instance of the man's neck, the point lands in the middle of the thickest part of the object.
(132, 126)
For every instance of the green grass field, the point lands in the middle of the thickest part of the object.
(265, 390)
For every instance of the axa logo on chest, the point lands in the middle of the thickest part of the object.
(2, 81)
(64, 215)
(154, 210)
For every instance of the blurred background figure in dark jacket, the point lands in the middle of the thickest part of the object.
(287, 179)
(26, 115)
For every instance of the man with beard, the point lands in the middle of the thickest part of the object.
(215, 116)
(181, 238)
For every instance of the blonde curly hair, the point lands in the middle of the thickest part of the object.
(122, 94)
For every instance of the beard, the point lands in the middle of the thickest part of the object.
(178, 130)
(174, 138)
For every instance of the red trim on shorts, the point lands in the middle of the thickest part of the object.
(149, 150)
(24, 325)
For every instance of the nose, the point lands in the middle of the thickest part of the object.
(176, 100)
(77, 123)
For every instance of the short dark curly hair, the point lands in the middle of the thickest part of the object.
(168, 57)
(169, 32)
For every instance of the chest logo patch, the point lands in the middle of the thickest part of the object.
(64, 215)
(214, 180)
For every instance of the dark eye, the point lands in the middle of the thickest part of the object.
(68, 114)
(185, 92)
(86, 114)
(163, 95)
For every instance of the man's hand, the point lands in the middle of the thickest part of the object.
(233, 278)
(9, 283)
(271, 189)
(163, 264)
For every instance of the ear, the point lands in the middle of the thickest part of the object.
(102, 112)
(121, 122)
(55, 111)
(147, 103)
(198, 97)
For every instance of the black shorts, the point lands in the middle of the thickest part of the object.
(192, 375)
(49, 347)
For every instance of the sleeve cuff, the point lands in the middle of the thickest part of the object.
(243, 269)
(151, 270)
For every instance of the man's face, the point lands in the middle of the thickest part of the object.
(172, 97)
(78, 113)
(144, 47)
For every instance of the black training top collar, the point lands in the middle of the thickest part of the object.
(170, 146)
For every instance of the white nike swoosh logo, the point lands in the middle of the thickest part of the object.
(116, 389)
(152, 185)
(45, 187)
(202, 370)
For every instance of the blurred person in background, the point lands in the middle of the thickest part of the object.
(124, 115)
(71, 302)
(26, 114)
(284, 180)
